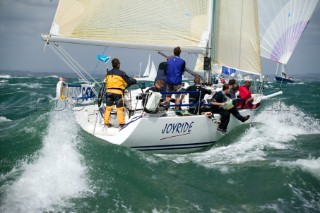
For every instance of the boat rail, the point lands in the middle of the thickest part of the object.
(137, 102)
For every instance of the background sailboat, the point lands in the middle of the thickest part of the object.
(281, 24)
(150, 72)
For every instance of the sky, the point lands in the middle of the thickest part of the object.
(23, 21)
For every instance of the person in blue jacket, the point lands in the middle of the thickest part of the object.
(175, 69)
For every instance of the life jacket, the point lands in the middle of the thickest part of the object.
(115, 81)
(244, 94)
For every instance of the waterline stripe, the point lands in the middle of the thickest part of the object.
(173, 146)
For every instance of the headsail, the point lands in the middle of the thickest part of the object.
(282, 23)
(236, 40)
(153, 71)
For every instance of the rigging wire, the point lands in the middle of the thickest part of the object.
(72, 64)
(68, 61)
(77, 64)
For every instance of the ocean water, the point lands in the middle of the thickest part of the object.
(49, 164)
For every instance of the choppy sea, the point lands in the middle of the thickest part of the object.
(49, 164)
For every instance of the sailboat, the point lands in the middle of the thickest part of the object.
(222, 32)
(150, 72)
(283, 78)
(281, 25)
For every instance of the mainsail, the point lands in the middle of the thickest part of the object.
(142, 24)
(225, 31)
(282, 23)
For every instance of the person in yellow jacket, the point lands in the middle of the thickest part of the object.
(116, 82)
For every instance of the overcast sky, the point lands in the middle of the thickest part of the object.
(22, 22)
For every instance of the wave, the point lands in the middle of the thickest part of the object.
(310, 165)
(53, 175)
(52, 76)
(4, 119)
(272, 129)
(5, 76)
(29, 85)
(10, 77)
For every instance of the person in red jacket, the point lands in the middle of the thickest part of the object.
(245, 95)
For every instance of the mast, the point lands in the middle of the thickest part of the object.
(209, 58)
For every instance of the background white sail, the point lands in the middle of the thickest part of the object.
(282, 23)
(153, 71)
(147, 70)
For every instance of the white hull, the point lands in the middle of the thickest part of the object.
(169, 134)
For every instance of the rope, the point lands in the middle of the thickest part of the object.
(133, 120)
(76, 63)
(67, 61)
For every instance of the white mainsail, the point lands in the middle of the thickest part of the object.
(282, 23)
(146, 24)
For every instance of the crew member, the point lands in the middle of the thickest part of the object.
(116, 82)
